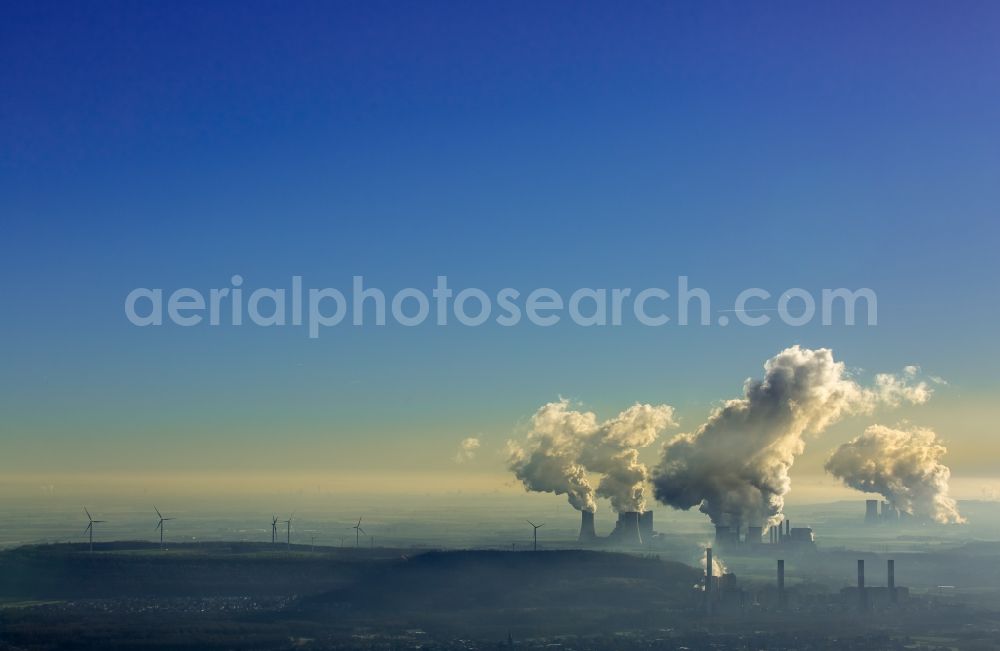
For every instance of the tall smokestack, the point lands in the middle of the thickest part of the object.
(781, 582)
(891, 567)
(862, 600)
(708, 579)
(788, 527)
(587, 532)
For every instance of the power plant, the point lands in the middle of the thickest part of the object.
(887, 515)
(626, 531)
(633, 528)
(722, 594)
(866, 598)
(781, 534)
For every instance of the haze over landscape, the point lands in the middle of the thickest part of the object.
(479, 325)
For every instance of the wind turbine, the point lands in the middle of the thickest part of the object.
(357, 533)
(274, 529)
(90, 527)
(536, 528)
(312, 538)
(288, 530)
(159, 525)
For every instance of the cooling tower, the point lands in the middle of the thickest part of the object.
(646, 525)
(755, 535)
(627, 529)
(871, 511)
(889, 512)
(722, 534)
(587, 532)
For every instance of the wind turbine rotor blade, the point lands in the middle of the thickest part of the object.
(362, 531)
(157, 512)
(88, 513)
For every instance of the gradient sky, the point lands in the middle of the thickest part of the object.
(567, 145)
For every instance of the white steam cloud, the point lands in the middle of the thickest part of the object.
(467, 450)
(735, 466)
(894, 390)
(564, 444)
(718, 567)
(903, 465)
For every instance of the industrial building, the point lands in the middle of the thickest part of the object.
(722, 594)
(781, 534)
(887, 515)
(865, 598)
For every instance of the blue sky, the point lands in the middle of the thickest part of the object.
(503, 144)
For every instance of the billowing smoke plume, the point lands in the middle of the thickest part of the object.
(901, 464)
(736, 465)
(718, 567)
(548, 462)
(564, 444)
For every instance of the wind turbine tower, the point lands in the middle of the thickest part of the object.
(288, 531)
(357, 533)
(159, 525)
(535, 527)
(90, 527)
(274, 529)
